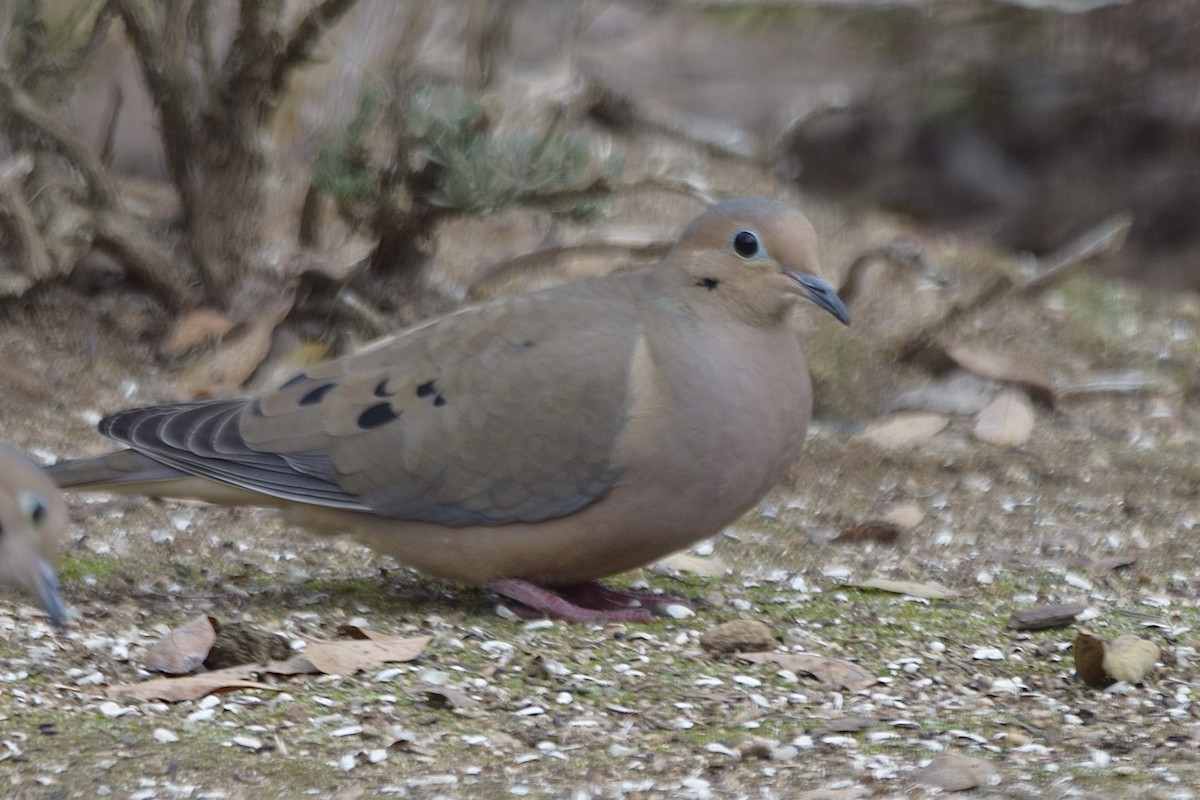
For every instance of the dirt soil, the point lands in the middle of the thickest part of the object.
(1098, 506)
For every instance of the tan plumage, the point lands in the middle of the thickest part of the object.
(552, 437)
(33, 524)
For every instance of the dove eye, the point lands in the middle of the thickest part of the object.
(746, 244)
(34, 507)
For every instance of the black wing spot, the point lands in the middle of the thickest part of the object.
(292, 381)
(439, 401)
(708, 283)
(425, 389)
(526, 345)
(381, 389)
(376, 415)
(316, 394)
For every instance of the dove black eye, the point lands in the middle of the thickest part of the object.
(745, 244)
(34, 507)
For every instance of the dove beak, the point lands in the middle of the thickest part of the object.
(45, 586)
(820, 292)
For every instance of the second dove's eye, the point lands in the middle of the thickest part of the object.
(745, 244)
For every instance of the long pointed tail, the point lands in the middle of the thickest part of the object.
(111, 471)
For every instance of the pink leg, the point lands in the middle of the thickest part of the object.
(552, 605)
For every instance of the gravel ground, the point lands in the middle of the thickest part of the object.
(1095, 502)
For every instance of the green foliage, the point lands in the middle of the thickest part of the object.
(342, 169)
(445, 156)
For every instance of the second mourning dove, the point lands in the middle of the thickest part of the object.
(33, 523)
(536, 442)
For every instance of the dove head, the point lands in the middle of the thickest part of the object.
(754, 258)
(33, 521)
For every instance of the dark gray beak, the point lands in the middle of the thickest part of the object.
(46, 589)
(822, 293)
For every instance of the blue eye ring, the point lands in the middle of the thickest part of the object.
(746, 244)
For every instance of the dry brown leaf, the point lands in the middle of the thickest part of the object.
(928, 591)
(1129, 658)
(184, 649)
(347, 658)
(363, 634)
(954, 772)
(196, 330)
(904, 429)
(177, 690)
(296, 665)
(1040, 618)
(831, 671)
(1089, 661)
(232, 365)
(1007, 421)
(1004, 367)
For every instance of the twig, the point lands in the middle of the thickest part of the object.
(543, 255)
(108, 147)
(17, 102)
(1106, 237)
(305, 37)
(363, 312)
(26, 245)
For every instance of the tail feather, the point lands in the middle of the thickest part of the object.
(111, 470)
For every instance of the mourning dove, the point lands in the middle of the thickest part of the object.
(33, 523)
(539, 440)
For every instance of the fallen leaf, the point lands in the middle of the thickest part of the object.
(227, 369)
(1129, 658)
(1008, 420)
(953, 772)
(928, 591)
(1040, 618)
(347, 658)
(1004, 367)
(904, 515)
(1088, 652)
(737, 634)
(961, 394)
(690, 564)
(177, 690)
(196, 330)
(904, 429)
(184, 649)
(831, 671)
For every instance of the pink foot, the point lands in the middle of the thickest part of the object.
(581, 603)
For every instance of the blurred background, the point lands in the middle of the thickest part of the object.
(1021, 121)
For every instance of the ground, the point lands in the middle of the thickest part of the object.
(1098, 506)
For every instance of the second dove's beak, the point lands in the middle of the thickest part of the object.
(45, 586)
(822, 294)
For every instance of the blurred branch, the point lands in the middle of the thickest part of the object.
(25, 246)
(305, 37)
(1108, 236)
(15, 102)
